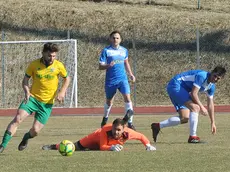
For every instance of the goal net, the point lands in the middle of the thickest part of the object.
(16, 56)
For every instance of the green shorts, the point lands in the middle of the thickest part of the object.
(42, 110)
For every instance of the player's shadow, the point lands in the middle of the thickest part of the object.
(15, 136)
(133, 143)
(178, 143)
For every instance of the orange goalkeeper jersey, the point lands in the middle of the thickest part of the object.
(102, 139)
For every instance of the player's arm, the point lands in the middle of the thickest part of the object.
(103, 141)
(104, 66)
(195, 99)
(25, 86)
(25, 81)
(134, 135)
(128, 69)
(65, 84)
(210, 105)
(61, 94)
(199, 80)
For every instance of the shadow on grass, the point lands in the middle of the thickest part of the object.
(210, 42)
(152, 3)
(179, 143)
(14, 136)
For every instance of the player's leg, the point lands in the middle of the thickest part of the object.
(107, 107)
(12, 128)
(89, 142)
(51, 147)
(178, 96)
(193, 121)
(124, 88)
(24, 110)
(129, 109)
(78, 146)
(33, 132)
(176, 120)
(40, 119)
(190, 113)
(170, 122)
(128, 116)
(110, 91)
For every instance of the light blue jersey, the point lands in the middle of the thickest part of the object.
(197, 78)
(116, 73)
(180, 86)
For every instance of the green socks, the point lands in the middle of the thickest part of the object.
(6, 138)
(27, 136)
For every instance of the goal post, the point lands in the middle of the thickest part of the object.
(16, 56)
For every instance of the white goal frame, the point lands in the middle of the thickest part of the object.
(74, 94)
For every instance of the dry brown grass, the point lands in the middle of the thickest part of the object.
(164, 33)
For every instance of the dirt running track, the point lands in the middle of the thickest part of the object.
(115, 110)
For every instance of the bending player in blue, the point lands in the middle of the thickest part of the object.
(114, 59)
(183, 91)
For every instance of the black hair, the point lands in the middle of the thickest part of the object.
(119, 121)
(219, 70)
(114, 32)
(50, 47)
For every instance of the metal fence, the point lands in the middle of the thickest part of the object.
(15, 57)
(154, 59)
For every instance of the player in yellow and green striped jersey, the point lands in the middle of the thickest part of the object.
(39, 98)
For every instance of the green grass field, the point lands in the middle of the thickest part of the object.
(173, 152)
(161, 39)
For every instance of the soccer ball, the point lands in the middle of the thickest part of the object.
(66, 148)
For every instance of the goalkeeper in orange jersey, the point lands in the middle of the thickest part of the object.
(110, 137)
(40, 97)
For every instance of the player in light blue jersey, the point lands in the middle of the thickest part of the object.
(183, 91)
(114, 59)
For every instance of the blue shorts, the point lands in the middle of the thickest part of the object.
(122, 86)
(178, 95)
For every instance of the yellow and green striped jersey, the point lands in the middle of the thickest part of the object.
(45, 79)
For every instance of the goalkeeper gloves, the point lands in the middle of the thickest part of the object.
(116, 148)
(150, 147)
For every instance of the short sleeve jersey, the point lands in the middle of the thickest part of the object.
(102, 139)
(116, 73)
(197, 78)
(45, 79)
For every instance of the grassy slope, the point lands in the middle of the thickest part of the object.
(164, 34)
